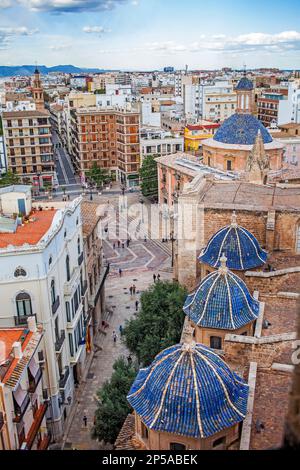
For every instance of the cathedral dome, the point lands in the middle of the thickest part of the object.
(245, 84)
(189, 390)
(240, 247)
(222, 301)
(241, 129)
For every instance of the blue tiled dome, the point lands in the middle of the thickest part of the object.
(245, 84)
(222, 301)
(242, 129)
(240, 247)
(189, 390)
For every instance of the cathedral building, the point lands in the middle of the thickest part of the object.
(188, 399)
(233, 142)
(221, 304)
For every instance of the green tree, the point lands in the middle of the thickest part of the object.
(148, 177)
(159, 322)
(98, 175)
(113, 406)
(9, 178)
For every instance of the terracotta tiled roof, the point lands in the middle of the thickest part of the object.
(91, 213)
(9, 336)
(126, 439)
(25, 114)
(30, 232)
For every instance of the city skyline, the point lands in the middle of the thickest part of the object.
(153, 35)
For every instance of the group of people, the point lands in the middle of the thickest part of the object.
(121, 243)
(156, 277)
(132, 290)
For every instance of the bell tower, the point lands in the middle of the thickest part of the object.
(245, 96)
(37, 91)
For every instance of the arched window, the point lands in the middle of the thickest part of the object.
(215, 342)
(68, 268)
(20, 272)
(24, 307)
(177, 446)
(53, 296)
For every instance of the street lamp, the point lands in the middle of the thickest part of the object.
(172, 239)
(91, 194)
(142, 202)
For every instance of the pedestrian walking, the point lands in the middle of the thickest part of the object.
(121, 329)
(120, 272)
(123, 245)
(133, 289)
(127, 242)
(158, 277)
(130, 290)
(145, 238)
(154, 277)
(118, 243)
(136, 305)
(114, 245)
(114, 337)
(85, 421)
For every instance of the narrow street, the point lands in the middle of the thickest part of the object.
(122, 304)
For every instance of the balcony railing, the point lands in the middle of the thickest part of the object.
(34, 381)
(60, 341)
(20, 410)
(22, 319)
(55, 305)
(64, 378)
(80, 259)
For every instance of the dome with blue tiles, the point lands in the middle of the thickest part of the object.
(240, 247)
(241, 129)
(190, 391)
(245, 84)
(222, 301)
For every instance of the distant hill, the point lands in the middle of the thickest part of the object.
(26, 70)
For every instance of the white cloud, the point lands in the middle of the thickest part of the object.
(7, 34)
(70, 6)
(59, 47)
(95, 29)
(5, 3)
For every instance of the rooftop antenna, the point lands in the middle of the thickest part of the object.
(245, 70)
(186, 69)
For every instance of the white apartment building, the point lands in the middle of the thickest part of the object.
(289, 110)
(217, 102)
(155, 141)
(3, 164)
(43, 274)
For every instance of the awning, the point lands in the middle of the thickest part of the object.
(19, 395)
(33, 367)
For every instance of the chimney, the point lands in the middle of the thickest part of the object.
(31, 322)
(17, 350)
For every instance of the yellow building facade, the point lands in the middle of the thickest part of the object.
(195, 134)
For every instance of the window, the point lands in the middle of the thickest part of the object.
(216, 342)
(50, 260)
(229, 165)
(177, 446)
(78, 245)
(71, 344)
(144, 431)
(20, 272)
(298, 240)
(24, 307)
(52, 289)
(68, 268)
(220, 443)
(68, 313)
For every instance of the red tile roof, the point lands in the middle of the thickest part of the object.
(31, 232)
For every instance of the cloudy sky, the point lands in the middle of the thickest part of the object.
(150, 34)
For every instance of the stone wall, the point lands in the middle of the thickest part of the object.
(274, 282)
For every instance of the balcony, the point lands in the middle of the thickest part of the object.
(60, 341)
(69, 285)
(34, 381)
(20, 409)
(64, 378)
(80, 259)
(35, 427)
(22, 319)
